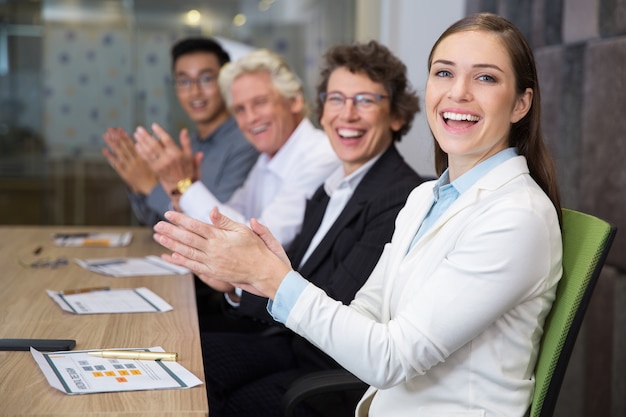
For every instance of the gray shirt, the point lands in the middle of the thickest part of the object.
(228, 157)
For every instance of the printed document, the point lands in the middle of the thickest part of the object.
(92, 239)
(129, 267)
(76, 372)
(116, 300)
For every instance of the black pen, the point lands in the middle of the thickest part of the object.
(106, 263)
(69, 235)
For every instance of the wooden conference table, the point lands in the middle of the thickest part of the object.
(26, 311)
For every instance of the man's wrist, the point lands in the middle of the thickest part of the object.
(144, 188)
(182, 186)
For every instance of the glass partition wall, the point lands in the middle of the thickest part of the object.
(69, 69)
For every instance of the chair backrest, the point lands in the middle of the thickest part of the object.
(586, 243)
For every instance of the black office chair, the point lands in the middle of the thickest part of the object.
(586, 244)
(310, 386)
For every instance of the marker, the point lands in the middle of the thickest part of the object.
(135, 354)
(83, 290)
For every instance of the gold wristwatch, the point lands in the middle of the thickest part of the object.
(183, 185)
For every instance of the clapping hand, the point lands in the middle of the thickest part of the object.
(128, 164)
(170, 162)
(246, 257)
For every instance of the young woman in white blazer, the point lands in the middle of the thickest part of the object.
(450, 320)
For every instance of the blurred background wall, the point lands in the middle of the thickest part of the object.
(69, 69)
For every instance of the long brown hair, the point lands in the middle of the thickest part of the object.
(525, 135)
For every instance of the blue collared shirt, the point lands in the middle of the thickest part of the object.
(445, 194)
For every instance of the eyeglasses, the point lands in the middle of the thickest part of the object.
(45, 263)
(204, 82)
(362, 101)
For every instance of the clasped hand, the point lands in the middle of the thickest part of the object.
(165, 158)
(247, 257)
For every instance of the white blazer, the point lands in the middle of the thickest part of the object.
(451, 328)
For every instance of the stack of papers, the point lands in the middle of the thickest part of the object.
(129, 267)
(77, 372)
(92, 239)
(119, 300)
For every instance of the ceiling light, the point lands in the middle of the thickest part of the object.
(193, 17)
(239, 19)
(264, 5)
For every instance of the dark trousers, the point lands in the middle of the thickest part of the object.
(212, 316)
(248, 374)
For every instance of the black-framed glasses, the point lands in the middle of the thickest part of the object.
(204, 82)
(335, 100)
(46, 263)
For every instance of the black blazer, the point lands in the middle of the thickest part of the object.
(346, 256)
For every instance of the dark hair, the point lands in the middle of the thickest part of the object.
(525, 135)
(381, 66)
(191, 45)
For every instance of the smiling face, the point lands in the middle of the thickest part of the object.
(265, 117)
(357, 135)
(201, 98)
(471, 100)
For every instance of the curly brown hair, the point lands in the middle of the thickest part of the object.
(380, 65)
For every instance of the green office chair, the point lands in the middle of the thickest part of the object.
(586, 243)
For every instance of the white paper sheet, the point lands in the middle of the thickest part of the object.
(128, 267)
(92, 239)
(117, 300)
(76, 372)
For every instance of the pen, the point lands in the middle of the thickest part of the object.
(82, 290)
(134, 354)
(106, 263)
(69, 235)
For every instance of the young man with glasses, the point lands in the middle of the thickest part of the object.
(217, 148)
